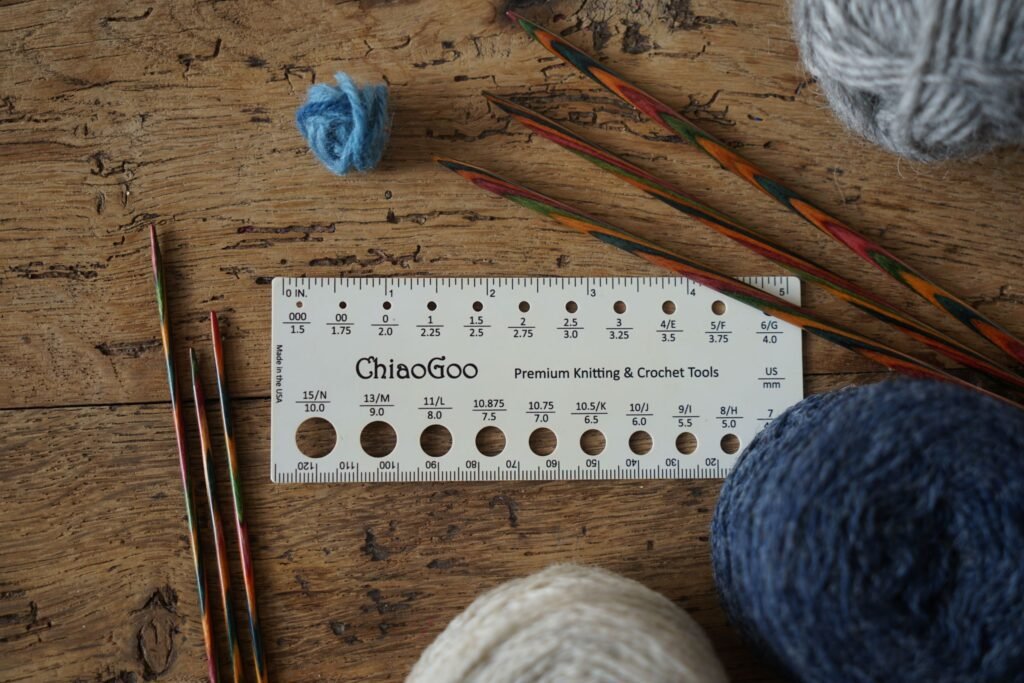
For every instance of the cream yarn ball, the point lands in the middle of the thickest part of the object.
(570, 624)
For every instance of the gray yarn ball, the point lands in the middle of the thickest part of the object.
(926, 79)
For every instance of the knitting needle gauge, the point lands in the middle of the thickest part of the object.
(418, 379)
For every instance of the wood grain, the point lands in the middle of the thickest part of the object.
(115, 114)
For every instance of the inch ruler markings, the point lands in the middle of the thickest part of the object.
(473, 379)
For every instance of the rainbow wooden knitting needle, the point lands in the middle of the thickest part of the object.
(882, 258)
(651, 252)
(757, 242)
(241, 522)
(186, 479)
(219, 543)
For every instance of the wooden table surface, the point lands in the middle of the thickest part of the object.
(117, 114)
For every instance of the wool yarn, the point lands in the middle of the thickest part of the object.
(876, 535)
(570, 624)
(926, 79)
(345, 125)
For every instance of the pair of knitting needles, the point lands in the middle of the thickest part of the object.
(804, 268)
(241, 524)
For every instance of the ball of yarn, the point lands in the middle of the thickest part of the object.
(346, 126)
(876, 535)
(570, 624)
(926, 79)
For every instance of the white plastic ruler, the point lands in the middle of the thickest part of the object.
(522, 378)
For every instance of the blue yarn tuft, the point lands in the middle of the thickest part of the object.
(876, 535)
(346, 126)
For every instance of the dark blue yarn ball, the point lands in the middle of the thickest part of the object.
(876, 535)
(346, 126)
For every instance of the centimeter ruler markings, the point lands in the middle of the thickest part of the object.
(472, 379)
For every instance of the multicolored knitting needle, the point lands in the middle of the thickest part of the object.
(651, 252)
(882, 258)
(241, 523)
(219, 543)
(757, 242)
(186, 479)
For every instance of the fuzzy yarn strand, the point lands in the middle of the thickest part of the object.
(345, 125)
(570, 624)
(926, 79)
(876, 535)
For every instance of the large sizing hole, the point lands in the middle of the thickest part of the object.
(718, 307)
(686, 443)
(436, 440)
(730, 443)
(640, 442)
(490, 441)
(378, 439)
(315, 437)
(592, 442)
(543, 441)
(668, 308)
(619, 307)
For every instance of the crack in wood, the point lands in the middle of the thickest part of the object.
(187, 59)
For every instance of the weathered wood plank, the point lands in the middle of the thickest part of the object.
(116, 116)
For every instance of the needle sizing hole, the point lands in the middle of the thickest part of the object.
(718, 307)
(436, 440)
(686, 443)
(315, 437)
(571, 306)
(668, 308)
(477, 306)
(543, 441)
(378, 439)
(524, 306)
(730, 443)
(592, 442)
(619, 307)
(490, 441)
(640, 442)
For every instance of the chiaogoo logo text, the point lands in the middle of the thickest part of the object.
(372, 367)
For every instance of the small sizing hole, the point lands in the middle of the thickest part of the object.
(543, 441)
(298, 304)
(686, 443)
(524, 306)
(342, 304)
(730, 443)
(477, 306)
(718, 307)
(619, 307)
(378, 439)
(640, 442)
(592, 442)
(431, 306)
(315, 437)
(668, 308)
(387, 305)
(436, 440)
(490, 441)
(571, 307)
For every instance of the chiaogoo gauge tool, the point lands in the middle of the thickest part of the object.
(450, 379)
